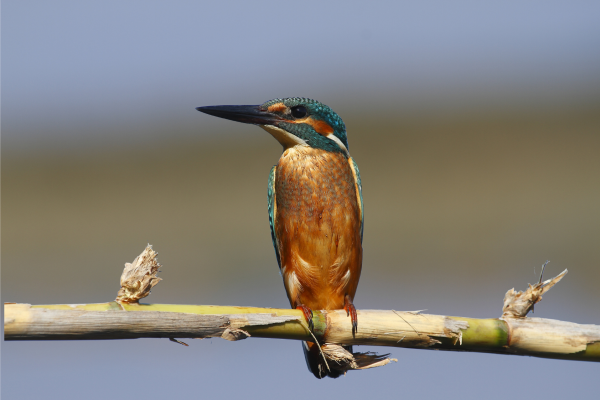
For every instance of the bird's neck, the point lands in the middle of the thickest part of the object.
(305, 156)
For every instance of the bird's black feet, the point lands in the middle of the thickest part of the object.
(351, 311)
(308, 314)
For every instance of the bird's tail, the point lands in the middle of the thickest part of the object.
(315, 362)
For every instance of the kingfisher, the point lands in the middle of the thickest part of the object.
(315, 207)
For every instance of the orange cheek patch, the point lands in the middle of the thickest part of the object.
(319, 126)
(277, 107)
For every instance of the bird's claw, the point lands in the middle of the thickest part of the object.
(351, 312)
(308, 314)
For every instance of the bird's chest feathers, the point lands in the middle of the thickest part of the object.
(317, 227)
(314, 185)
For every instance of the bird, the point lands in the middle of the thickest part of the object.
(315, 208)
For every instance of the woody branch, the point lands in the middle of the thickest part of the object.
(125, 318)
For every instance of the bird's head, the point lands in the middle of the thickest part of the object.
(294, 121)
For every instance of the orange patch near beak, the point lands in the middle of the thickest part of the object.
(277, 107)
(321, 127)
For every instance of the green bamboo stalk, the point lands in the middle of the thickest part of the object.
(125, 318)
(381, 328)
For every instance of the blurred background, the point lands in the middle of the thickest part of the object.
(476, 128)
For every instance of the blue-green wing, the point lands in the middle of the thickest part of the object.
(358, 184)
(271, 195)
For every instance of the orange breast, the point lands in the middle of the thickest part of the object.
(317, 225)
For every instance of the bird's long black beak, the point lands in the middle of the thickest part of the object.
(245, 114)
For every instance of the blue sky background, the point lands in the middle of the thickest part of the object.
(85, 73)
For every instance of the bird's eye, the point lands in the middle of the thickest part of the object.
(299, 112)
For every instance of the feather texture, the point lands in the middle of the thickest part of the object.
(315, 214)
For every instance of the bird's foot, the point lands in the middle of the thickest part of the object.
(351, 311)
(308, 314)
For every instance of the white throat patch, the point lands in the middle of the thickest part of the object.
(286, 139)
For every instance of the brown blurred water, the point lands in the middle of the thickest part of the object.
(460, 207)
